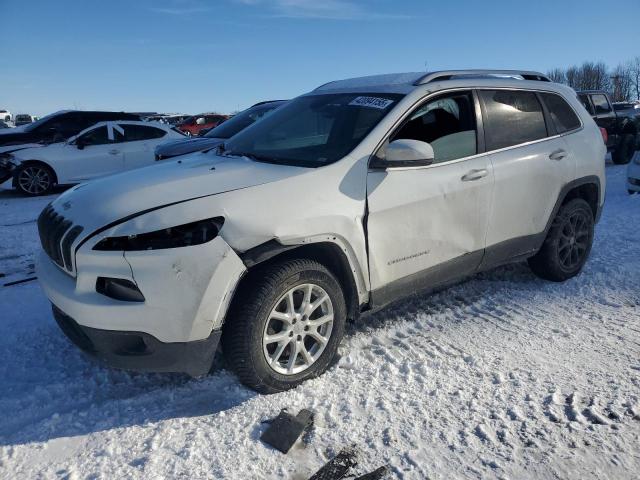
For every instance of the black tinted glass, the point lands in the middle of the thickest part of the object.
(600, 103)
(562, 115)
(97, 136)
(133, 133)
(513, 118)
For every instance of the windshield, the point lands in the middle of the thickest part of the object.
(242, 120)
(313, 130)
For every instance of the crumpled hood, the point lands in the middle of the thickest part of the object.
(111, 199)
(187, 145)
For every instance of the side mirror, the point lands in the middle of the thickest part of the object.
(80, 144)
(405, 153)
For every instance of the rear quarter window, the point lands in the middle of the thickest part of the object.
(134, 133)
(512, 118)
(562, 115)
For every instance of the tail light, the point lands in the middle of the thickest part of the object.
(605, 135)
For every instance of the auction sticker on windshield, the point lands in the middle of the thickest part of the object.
(371, 102)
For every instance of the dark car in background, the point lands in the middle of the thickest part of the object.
(219, 134)
(56, 127)
(622, 125)
(23, 119)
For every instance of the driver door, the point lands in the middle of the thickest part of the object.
(93, 154)
(427, 225)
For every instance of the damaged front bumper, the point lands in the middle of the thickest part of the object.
(139, 351)
(175, 328)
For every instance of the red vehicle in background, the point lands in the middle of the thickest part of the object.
(193, 125)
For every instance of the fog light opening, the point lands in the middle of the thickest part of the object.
(119, 289)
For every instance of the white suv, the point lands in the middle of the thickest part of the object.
(358, 193)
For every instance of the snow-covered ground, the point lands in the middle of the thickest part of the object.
(503, 376)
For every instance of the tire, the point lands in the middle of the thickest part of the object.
(568, 243)
(34, 179)
(252, 322)
(625, 150)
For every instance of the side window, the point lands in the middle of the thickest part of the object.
(448, 123)
(600, 104)
(97, 136)
(584, 99)
(562, 115)
(134, 133)
(513, 118)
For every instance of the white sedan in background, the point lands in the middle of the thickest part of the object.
(103, 149)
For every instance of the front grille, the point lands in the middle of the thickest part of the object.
(57, 235)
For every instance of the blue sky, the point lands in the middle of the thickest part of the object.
(196, 55)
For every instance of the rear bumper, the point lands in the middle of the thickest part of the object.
(139, 351)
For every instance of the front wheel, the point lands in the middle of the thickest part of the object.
(568, 243)
(285, 325)
(34, 179)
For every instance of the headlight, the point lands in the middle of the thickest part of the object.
(186, 235)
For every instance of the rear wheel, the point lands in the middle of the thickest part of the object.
(285, 326)
(34, 179)
(568, 243)
(623, 154)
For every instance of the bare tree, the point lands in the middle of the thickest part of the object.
(635, 76)
(557, 75)
(621, 82)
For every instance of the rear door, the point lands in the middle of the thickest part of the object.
(531, 163)
(427, 225)
(138, 143)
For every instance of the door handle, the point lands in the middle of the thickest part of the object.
(114, 152)
(475, 174)
(557, 154)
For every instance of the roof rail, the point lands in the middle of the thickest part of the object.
(450, 74)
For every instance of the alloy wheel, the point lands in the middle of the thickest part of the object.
(34, 180)
(298, 329)
(574, 240)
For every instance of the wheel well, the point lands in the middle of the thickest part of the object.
(588, 192)
(328, 254)
(34, 162)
